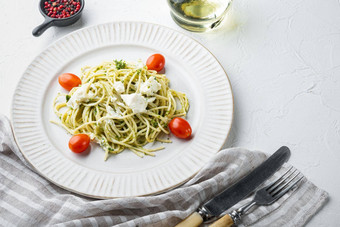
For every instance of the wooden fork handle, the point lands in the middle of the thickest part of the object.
(193, 220)
(225, 221)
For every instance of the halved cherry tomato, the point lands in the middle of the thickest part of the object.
(79, 143)
(180, 128)
(69, 81)
(155, 62)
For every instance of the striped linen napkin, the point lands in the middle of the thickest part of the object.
(27, 199)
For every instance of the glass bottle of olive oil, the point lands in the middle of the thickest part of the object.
(198, 15)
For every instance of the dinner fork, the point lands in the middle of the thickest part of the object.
(263, 197)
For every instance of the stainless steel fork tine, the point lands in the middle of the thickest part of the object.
(278, 189)
(275, 182)
(278, 186)
(289, 188)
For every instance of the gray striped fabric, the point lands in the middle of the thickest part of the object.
(27, 199)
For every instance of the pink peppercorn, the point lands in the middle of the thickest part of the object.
(61, 8)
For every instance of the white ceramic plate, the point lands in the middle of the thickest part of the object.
(191, 69)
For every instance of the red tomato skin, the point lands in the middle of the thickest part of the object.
(69, 81)
(180, 128)
(155, 62)
(79, 143)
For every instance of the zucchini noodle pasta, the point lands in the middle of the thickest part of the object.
(120, 106)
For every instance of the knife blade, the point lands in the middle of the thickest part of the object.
(239, 190)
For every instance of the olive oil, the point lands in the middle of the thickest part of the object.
(198, 15)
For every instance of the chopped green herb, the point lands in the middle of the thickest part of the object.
(110, 149)
(68, 97)
(120, 64)
(154, 123)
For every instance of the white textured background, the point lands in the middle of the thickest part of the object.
(282, 58)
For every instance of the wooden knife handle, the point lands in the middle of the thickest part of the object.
(193, 220)
(224, 221)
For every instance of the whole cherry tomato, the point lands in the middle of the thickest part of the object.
(180, 128)
(155, 62)
(69, 81)
(79, 143)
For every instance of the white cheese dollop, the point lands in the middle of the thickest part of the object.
(119, 87)
(92, 136)
(150, 86)
(80, 96)
(92, 93)
(136, 102)
(149, 100)
(112, 113)
(113, 99)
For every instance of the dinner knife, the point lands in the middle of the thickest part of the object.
(229, 197)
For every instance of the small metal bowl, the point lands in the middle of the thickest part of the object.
(59, 22)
